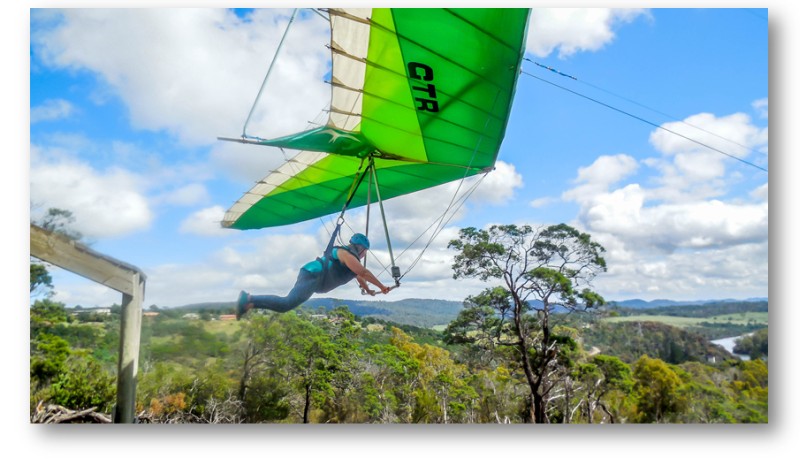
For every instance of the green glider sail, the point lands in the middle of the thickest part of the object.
(421, 95)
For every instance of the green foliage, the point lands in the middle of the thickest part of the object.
(606, 380)
(170, 339)
(83, 383)
(755, 346)
(267, 399)
(49, 355)
(46, 313)
(631, 340)
(40, 277)
(291, 368)
(658, 391)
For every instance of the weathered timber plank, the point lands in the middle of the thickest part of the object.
(82, 260)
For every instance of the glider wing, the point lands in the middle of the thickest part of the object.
(423, 95)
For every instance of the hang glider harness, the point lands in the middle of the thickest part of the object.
(357, 181)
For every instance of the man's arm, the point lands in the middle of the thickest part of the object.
(362, 273)
(364, 286)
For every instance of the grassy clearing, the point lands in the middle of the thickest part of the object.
(746, 318)
(228, 327)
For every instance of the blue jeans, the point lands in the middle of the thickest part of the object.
(303, 289)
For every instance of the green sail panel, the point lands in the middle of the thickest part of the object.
(425, 94)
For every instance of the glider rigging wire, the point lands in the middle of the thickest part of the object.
(640, 118)
(269, 71)
(671, 117)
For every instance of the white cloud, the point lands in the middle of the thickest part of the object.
(735, 272)
(704, 224)
(762, 107)
(104, 203)
(572, 30)
(52, 109)
(499, 185)
(691, 229)
(190, 194)
(761, 193)
(195, 72)
(733, 134)
(543, 202)
(246, 163)
(600, 175)
(691, 170)
(205, 222)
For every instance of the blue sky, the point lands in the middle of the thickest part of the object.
(126, 107)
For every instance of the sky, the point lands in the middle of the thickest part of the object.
(656, 145)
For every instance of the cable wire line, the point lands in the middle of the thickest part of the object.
(645, 120)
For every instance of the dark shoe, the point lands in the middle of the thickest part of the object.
(242, 304)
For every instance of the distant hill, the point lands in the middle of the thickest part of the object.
(692, 309)
(418, 312)
(656, 303)
(425, 313)
(428, 313)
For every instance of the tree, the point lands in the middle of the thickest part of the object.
(295, 350)
(601, 376)
(755, 346)
(341, 405)
(49, 355)
(441, 394)
(658, 390)
(543, 271)
(256, 385)
(312, 361)
(60, 221)
(40, 278)
(82, 384)
(390, 377)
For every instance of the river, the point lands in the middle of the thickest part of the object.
(728, 343)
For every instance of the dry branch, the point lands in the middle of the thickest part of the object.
(53, 414)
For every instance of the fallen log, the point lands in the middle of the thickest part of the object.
(53, 414)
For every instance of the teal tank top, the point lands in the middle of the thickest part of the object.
(337, 273)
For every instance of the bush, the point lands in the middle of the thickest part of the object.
(83, 384)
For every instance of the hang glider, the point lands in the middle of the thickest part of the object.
(419, 98)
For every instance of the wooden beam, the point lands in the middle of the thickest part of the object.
(123, 277)
(82, 260)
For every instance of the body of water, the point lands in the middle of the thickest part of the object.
(728, 343)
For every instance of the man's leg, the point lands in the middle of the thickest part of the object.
(302, 291)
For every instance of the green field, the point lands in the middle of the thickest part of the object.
(746, 318)
(228, 327)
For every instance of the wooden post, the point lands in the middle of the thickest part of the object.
(123, 277)
(128, 366)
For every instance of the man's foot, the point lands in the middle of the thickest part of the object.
(243, 304)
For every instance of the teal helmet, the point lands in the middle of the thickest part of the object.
(359, 239)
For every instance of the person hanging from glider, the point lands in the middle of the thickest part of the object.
(338, 266)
